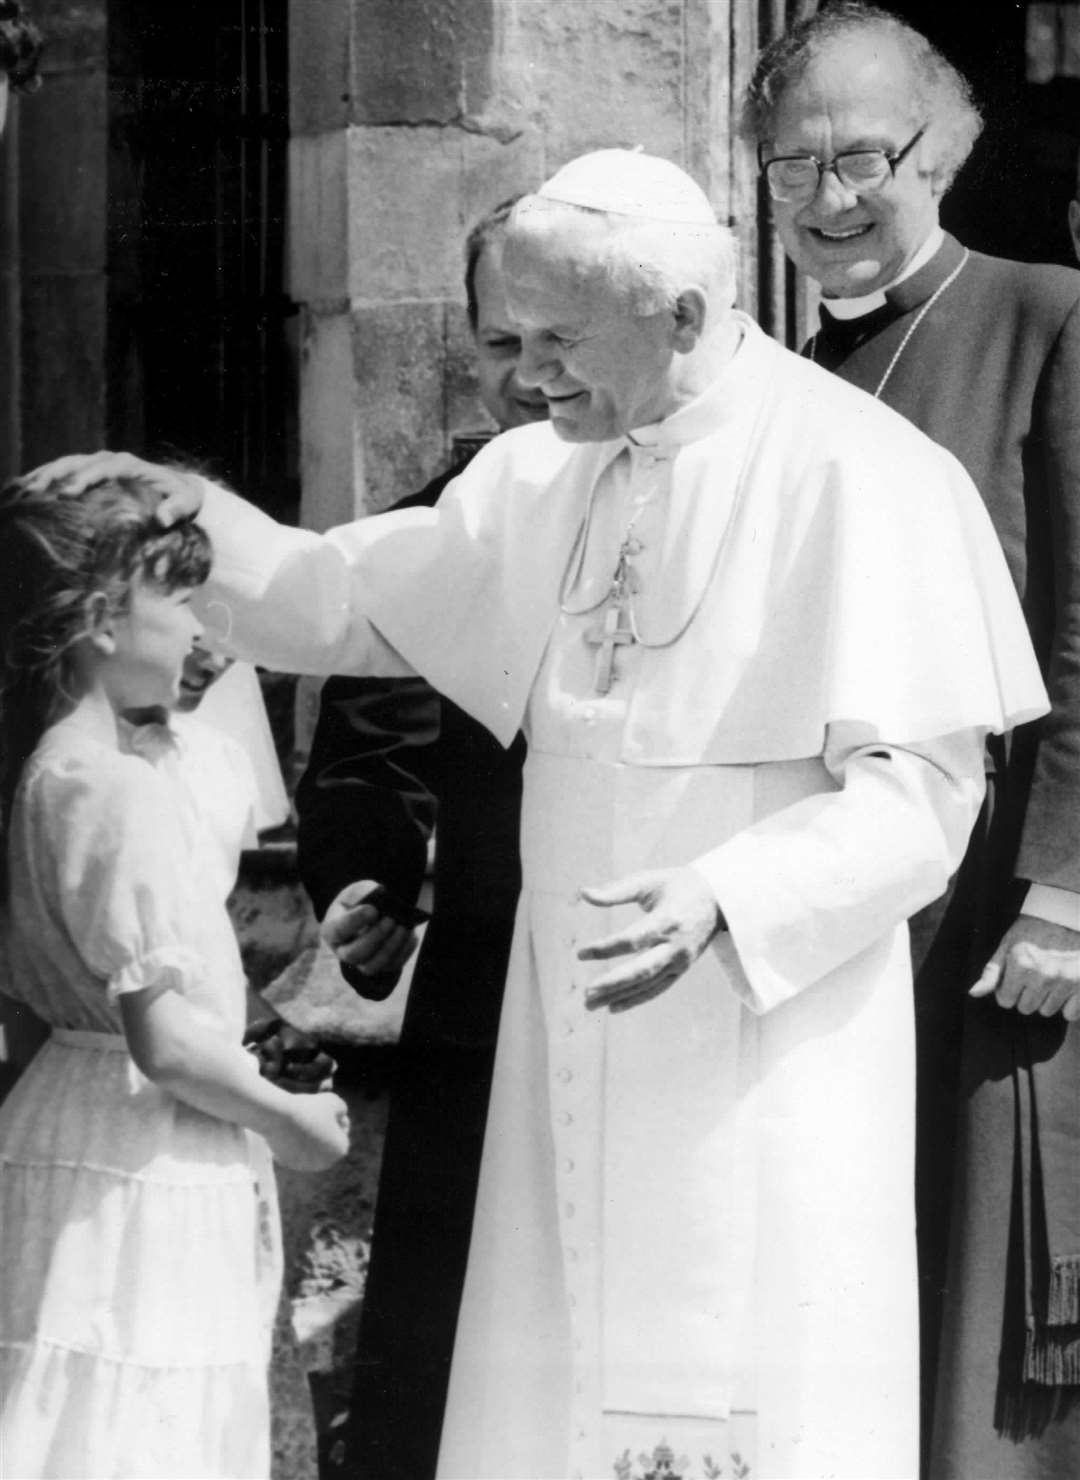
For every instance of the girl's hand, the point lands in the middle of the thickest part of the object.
(312, 1134)
(289, 1057)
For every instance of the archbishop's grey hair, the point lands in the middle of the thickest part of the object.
(940, 93)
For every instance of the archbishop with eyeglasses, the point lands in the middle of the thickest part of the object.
(860, 126)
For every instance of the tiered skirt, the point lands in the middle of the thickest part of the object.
(139, 1275)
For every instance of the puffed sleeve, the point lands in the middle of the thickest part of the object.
(118, 844)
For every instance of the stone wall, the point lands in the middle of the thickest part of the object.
(410, 118)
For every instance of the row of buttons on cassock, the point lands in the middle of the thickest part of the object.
(568, 1087)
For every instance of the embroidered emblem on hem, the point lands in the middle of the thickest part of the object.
(663, 1464)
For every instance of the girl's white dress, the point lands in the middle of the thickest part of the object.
(140, 1243)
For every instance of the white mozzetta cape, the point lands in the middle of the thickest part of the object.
(859, 578)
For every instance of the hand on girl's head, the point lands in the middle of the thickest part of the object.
(180, 492)
(78, 471)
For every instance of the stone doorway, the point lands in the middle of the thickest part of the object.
(200, 342)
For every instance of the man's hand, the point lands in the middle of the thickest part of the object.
(181, 492)
(681, 917)
(365, 936)
(1035, 969)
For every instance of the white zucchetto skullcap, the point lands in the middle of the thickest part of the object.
(626, 182)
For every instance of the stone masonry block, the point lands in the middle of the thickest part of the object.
(398, 353)
(382, 214)
(420, 61)
(407, 216)
(63, 351)
(607, 73)
(318, 218)
(389, 61)
(319, 64)
(331, 465)
(62, 199)
(494, 170)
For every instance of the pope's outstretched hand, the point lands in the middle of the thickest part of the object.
(181, 491)
(681, 917)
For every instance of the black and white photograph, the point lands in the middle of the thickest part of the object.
(539, 740)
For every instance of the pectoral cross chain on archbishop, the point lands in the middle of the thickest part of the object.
(615, 628)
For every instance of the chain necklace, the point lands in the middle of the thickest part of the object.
(623, 580)
(624, 583)
(902, 346)
(619, 627)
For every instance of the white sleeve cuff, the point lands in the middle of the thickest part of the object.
(1057, 906)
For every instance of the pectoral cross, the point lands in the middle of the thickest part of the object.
(614, 631)
(616, 628)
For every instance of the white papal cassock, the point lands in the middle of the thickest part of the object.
(694, 1226)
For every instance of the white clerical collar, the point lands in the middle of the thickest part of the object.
(701, 416)
(856, 308)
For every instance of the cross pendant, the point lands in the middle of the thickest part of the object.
(614, 631)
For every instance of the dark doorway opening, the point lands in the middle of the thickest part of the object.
(1023, 60)
(201, 361)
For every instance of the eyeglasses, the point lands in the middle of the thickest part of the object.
(797, 177)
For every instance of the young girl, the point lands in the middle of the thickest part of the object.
(140, 1258)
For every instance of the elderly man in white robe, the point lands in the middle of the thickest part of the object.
(755, 626)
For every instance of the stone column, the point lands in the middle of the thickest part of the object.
(398, 144)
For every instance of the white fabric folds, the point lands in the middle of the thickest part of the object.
(851, 543)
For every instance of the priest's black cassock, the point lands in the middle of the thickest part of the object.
(984, 356)
(386, 753)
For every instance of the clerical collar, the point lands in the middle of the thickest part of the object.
(858, 308)
(701, 416)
